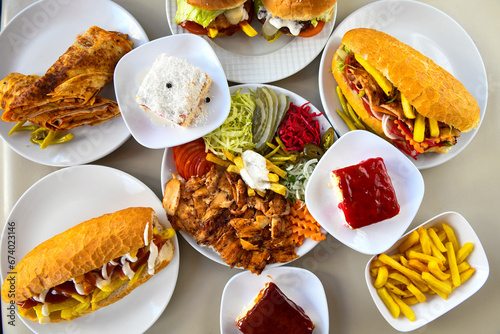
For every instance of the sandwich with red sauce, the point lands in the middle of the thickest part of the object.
(303, 18)
(402, 95)
(215, 18)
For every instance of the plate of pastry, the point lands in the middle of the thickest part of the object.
(24, 51)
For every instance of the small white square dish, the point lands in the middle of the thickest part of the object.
(299, 285)
(150, 130)
(435, 306)
(350, 149)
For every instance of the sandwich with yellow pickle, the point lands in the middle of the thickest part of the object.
(400, 94)
(89, 266)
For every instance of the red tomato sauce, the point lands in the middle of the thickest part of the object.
(369, 196)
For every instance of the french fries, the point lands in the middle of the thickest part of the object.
(429, 261)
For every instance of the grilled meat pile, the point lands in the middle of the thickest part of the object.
(247, 231)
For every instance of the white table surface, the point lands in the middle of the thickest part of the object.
(468, 184)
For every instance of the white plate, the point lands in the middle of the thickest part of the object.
(300, 285)
(168, 168)
(350, 149)
(435, 306)
(438, 37)
(151, 131)
(68, 197)
(33, 40)
(255, 60)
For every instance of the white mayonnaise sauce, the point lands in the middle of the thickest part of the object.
(79, 287)
(45, 310)
(146, 234)
(41, 297)
(277, 22)
(153, 254)
(127, 271)
(255, 173)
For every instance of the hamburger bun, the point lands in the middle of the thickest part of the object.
(215, 4)
(298, 10)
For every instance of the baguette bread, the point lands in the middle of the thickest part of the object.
(430, 90)
(82, 249)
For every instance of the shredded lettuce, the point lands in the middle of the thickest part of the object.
(297, 177)
(186, 12)
(235, 134)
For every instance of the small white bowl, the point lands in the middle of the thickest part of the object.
(435, 306)
(300, 285)
(149, 130)
(350, 149)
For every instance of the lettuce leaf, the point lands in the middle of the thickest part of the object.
(186, 12)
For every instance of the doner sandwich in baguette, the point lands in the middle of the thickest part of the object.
(401, 94)
(89, 266)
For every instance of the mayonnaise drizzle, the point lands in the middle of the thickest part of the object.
(146, 234)
(127, 271)
(78, 287)
(153, 254)
(41, 297)
(45, 310)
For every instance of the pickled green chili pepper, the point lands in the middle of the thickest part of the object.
(313, 151)
(327, 139)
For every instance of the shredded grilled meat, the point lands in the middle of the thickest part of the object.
(247, 231)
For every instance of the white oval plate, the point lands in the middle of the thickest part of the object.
(300, 285)
(350, 149)
(168, 168)
(435, 306)
(255, 60)
(151, 131)
(68, 197)
(438, 37)
(33, 40)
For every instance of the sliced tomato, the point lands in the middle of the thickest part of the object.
(189, 158)
(194, 27)
(313, 31)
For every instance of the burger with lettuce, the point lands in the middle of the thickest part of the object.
(215, 18)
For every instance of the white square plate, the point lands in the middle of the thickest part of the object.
(300, 285)
(435, 306)
(350, 149)
(153, 132)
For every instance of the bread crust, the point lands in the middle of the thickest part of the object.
(215, 4)
(164, 257)
(94, 243)
(434, 92)
(298, 10)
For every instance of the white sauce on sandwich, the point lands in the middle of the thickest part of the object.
(255, 173)
(100, 283)
(127, 271)
(45, 310)
(146, 234)
(153, 254)
(79, 287)
(128, 257)
(294, 26)
(41, 297)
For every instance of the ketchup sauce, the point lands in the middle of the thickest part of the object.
(369, 196)
(275, 313)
